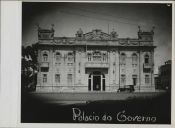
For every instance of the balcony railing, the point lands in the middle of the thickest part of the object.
(97, 65)
(45, 64)
(147, 66)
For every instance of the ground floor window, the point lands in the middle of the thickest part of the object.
(44, 78)
(57, 78)
(69, 79)
(147, 79)
(134, 77)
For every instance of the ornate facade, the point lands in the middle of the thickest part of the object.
(94, 61)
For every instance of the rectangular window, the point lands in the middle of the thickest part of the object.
(44, 78)
(44, 69)
(134, 77)
(45, 36)
(147, 79)
(69, 79)
(57, 78)
(123, 79)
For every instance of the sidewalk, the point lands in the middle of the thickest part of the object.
(93, 96)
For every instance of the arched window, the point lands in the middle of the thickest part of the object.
(89, 56)
(45, 57)
(123, 58)
(123, 79)
(146, 59)
(70, 56)
(44, 78)
(58, 56)
(134, 59)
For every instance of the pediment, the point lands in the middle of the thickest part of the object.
(96, 34)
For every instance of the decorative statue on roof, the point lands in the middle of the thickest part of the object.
(52, 27)
(79, 34)
(153, 29)
(114, 34)
(139, 29)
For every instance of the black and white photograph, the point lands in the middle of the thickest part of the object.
(96, 62)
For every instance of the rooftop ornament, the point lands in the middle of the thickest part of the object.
(80, 31)
(114, 33)
(139, 29)
(37, 25)
(52, 27)
(153, 28)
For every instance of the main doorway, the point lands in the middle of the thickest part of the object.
(96, 81)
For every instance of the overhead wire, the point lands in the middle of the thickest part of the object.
(98, 18)
(101, 13)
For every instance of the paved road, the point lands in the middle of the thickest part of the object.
(34, 110)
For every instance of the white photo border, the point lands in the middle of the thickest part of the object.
(10, 87)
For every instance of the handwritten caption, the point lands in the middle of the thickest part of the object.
(80, 116)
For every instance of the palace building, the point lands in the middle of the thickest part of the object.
(94, 61)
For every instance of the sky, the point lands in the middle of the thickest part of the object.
(124, 18)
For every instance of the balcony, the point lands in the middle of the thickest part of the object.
(97, 65)
(45, 64)
(146, 66)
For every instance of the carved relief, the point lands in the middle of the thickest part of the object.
(123, 42)
(97, 35)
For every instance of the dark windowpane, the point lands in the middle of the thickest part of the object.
(89, 84)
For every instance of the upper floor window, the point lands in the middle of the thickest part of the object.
(58, 56)
(134, 59)
(70, 56)
(45, 57)
(104, 57)
(96, 56)
(123, 58)
(146, 59)
(89, 56)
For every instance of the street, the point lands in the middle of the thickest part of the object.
(136, 110)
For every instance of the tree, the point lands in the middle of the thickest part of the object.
(29, 68)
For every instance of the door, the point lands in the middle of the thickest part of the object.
(97, 82)
(134, 81)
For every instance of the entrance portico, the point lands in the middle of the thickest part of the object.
(96, 81)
